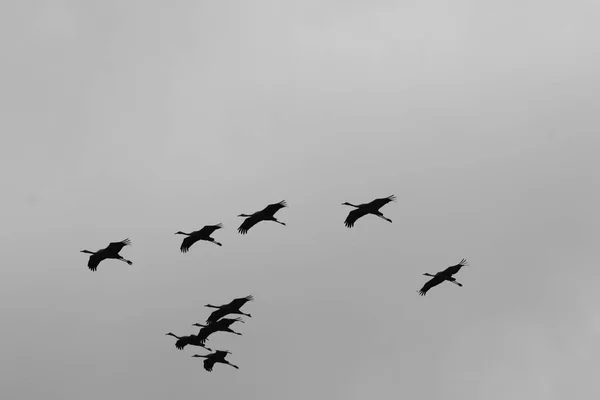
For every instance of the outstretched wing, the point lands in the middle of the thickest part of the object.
(248, 223)
(94, 261)
(238, 303)
(182, 342)
(455, 268)
(188, 242)
(353, 216)
(378, 203)
(271, 209)
(206, 331)
(209, 229)
(429, 284)
(209, 363)
(116, 247)
(216, 315)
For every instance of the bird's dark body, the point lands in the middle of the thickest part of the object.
(445, 275)
(109, 252)
(222, 325)
(191, 340)
(232, 308)
(213, 358)
(367, 208)
(266, 214)
(202, 234)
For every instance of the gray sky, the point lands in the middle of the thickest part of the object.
(141, 118)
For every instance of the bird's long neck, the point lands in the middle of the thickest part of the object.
(352, 205)
(87, 251)
(183, 233)
(200, 325)
(428, 274)
(244, 215)
(172, 334)
(211, 306)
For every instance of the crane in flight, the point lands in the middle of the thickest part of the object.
(368, 208)
(266, 214)
(192, 340)
(202, 234)
(222, 325)
(216, 357)
(445, 275)
(232, 308)
(109, 252)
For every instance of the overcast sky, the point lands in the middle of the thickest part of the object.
(142, 118)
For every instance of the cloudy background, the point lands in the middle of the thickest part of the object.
(141, 118)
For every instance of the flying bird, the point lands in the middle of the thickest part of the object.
(202, 234)
(445, 275)
(111, 251)
(367, 208)
(192, 340)
(216, 357)
(266, 214)
(232, 308)
(222, 325)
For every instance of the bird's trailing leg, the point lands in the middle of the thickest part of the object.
(217, 243)
(234, 332)
(234, 366)
(456, 283)
(279, 222)
(125, 260)
(382, 217)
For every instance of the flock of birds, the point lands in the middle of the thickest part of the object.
(216, 321)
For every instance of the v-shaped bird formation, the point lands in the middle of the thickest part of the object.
(216, 321)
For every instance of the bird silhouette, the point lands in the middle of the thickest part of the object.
(216, 357)
(367, 208)
(202, 234)
(192, 340)
(111, 251)
(232, 308)
(266, 214)
(445, 275)
(222, 325)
